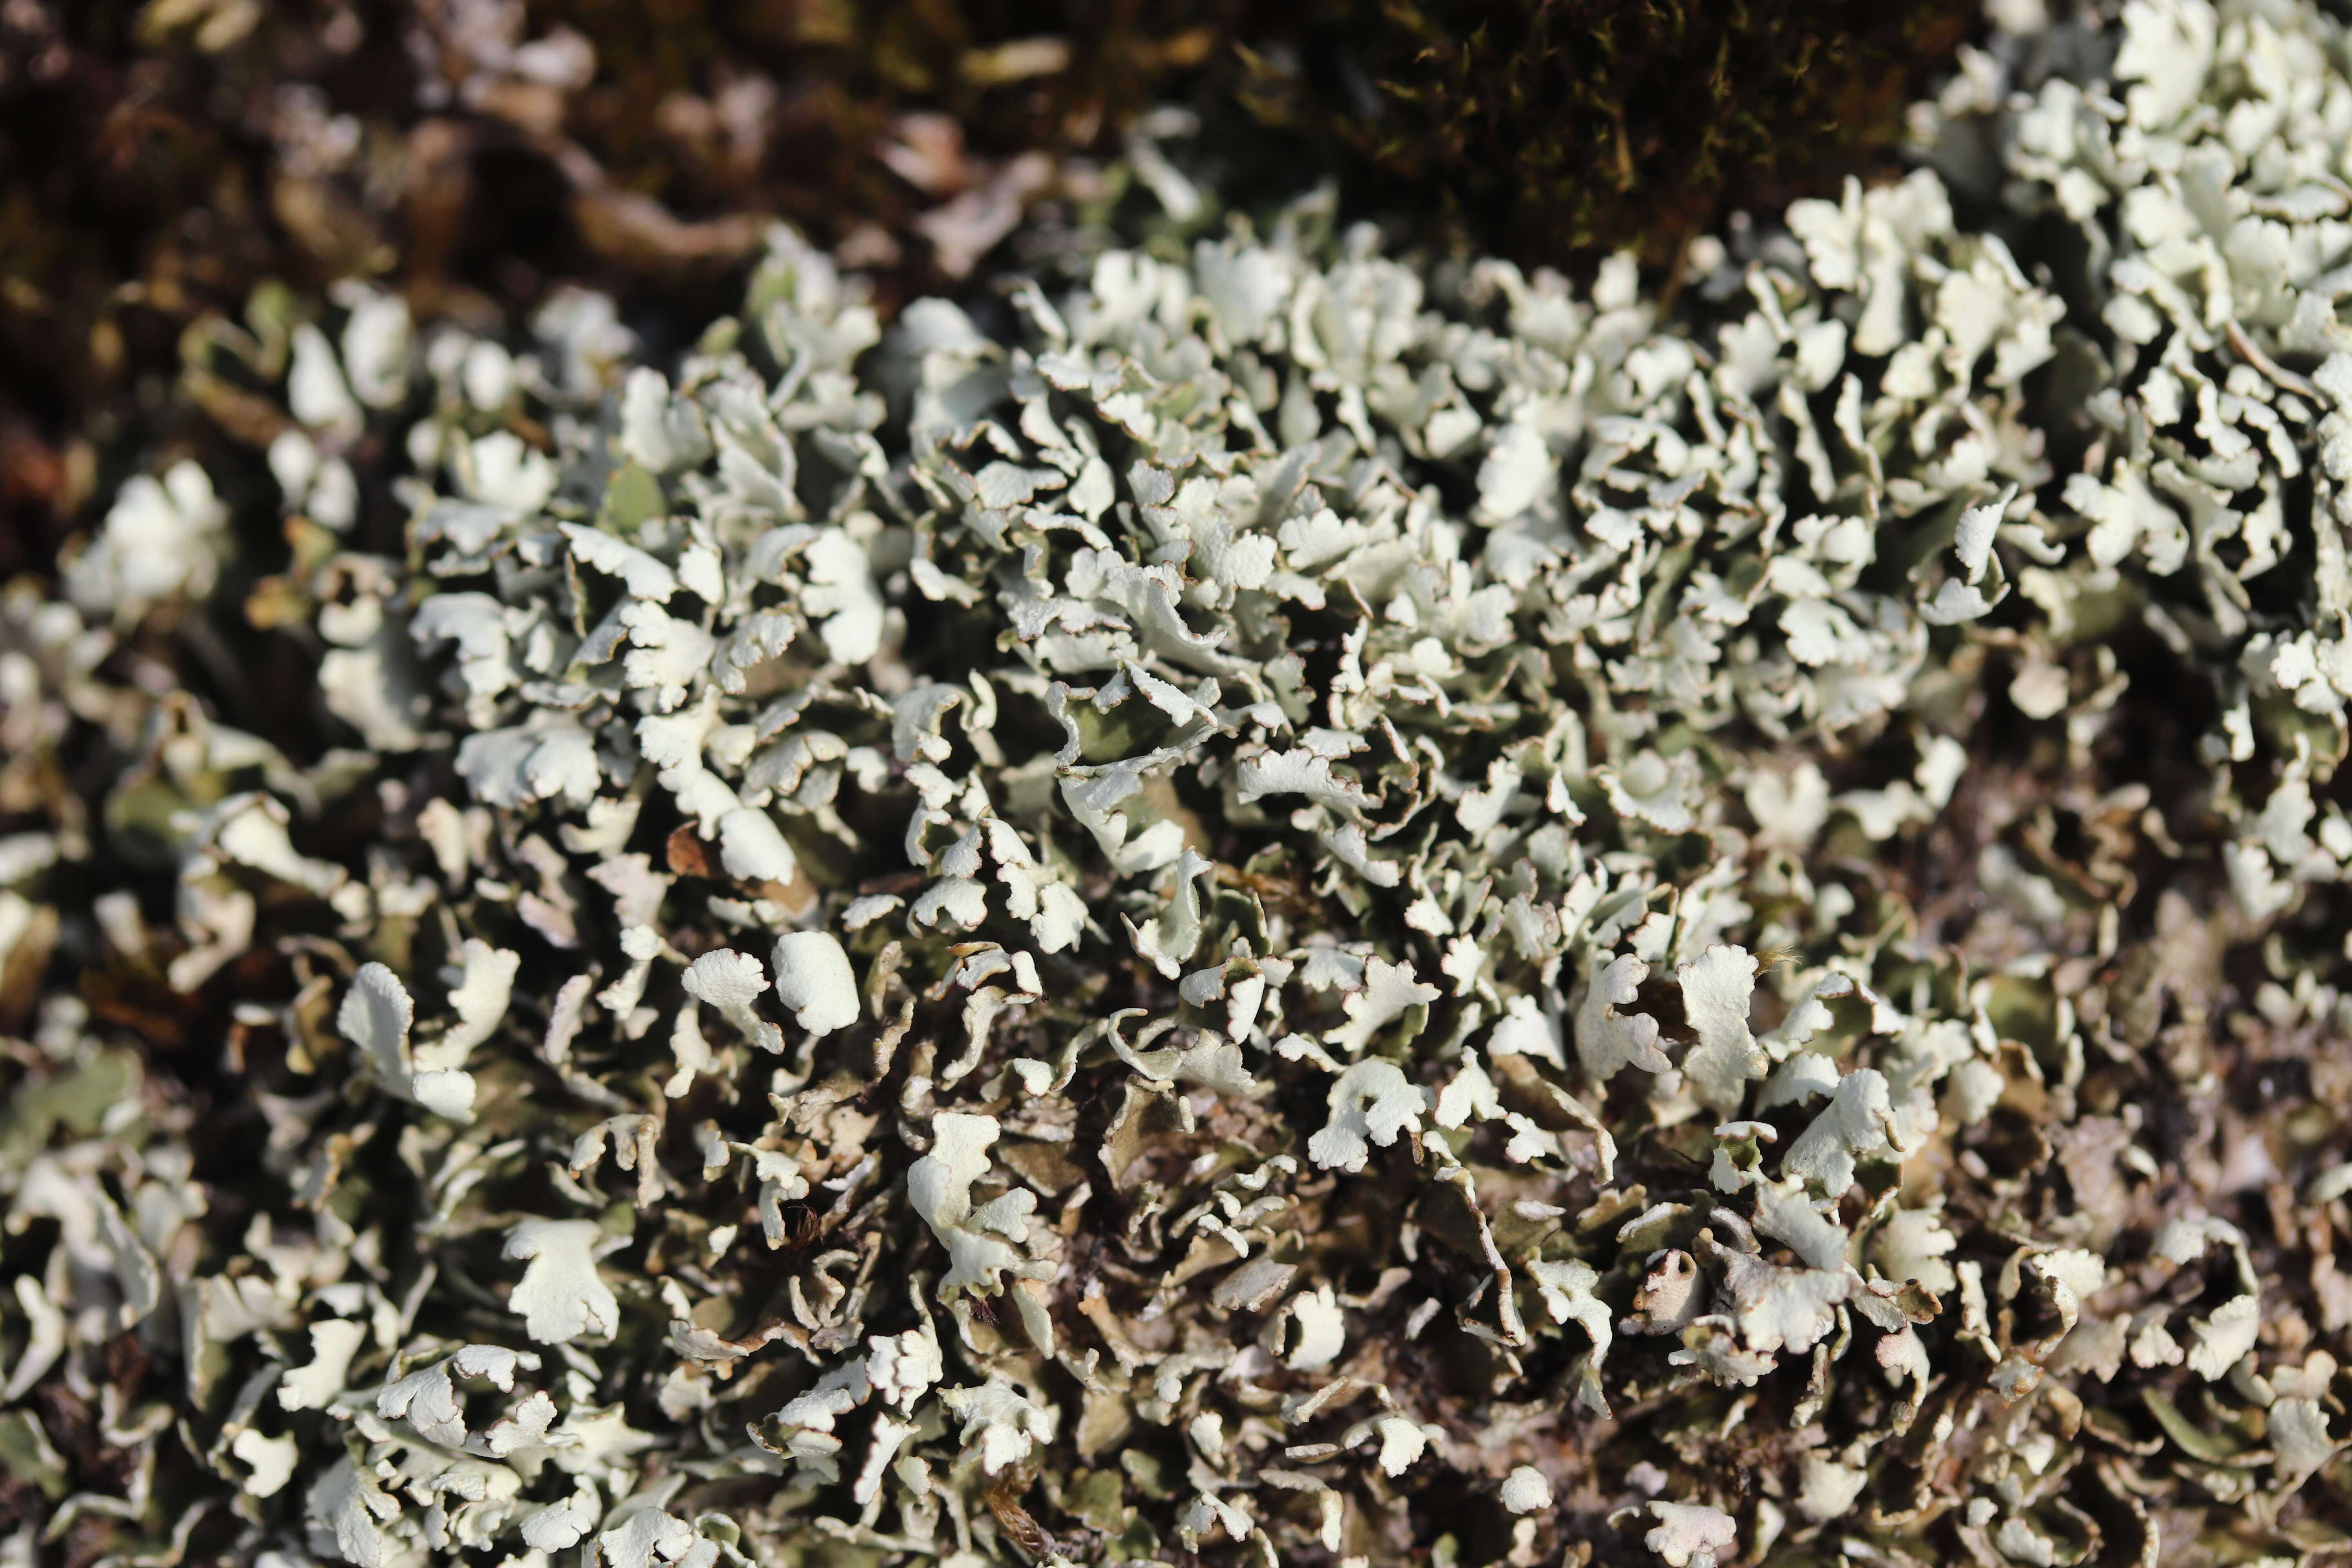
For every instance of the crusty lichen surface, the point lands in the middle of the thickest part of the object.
(1260, 901)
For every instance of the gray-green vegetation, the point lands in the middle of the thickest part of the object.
(1270, 901)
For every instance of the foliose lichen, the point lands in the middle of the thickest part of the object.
(1383, 881)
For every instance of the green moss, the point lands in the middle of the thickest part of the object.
(1548, 129)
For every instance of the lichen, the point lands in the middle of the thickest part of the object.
(1276, 886)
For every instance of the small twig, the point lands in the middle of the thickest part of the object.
(2278, 375)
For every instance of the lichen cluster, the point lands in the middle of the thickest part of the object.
(1265, 900)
